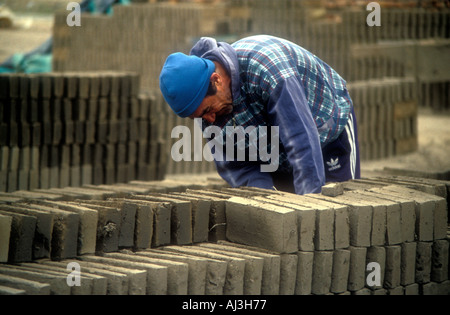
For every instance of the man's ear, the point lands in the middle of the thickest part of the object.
(216, 79)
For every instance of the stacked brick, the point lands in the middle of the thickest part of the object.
(199, 237)
(386, 112)
(72, 129)
(339, 34)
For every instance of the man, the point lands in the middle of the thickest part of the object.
(267, 81)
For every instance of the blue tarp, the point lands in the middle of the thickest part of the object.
(39, 60)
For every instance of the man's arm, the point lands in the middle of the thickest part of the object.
(239, 174)
(288, 108)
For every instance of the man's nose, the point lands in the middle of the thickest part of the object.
(211, 118)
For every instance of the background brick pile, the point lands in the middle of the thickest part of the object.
(73, 129)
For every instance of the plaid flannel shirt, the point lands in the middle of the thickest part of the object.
(278, 83)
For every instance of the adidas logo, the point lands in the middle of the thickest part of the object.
(333, 164)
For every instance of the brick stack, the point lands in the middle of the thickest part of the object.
(199, 237)
(71, 129)
(386, 111)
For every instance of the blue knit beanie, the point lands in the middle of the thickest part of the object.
(184, 81)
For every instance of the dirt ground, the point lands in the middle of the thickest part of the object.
(433, 154)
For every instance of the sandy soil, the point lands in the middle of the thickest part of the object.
(433, 154)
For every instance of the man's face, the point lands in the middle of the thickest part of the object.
(215, 105)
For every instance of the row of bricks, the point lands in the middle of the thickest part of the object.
(44, 223)
(76, 109)
(388, 215)
(233, 269)
(77, 132)
(44, 167)
(322, 279)
(70, 85)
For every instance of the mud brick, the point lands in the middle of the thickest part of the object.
(68, 132)
(45, 110)
(113, 112)
(123, 131)
(133, 130)
(376, 254)
(70, 85)
(57, 132)
(58, 284)
(22, 110)
(357, 271)
(408, 263)
(127, 222)
(408, 213)
(4, 86)
(34, 85)
(33, 179)
(102, 134)
(36, 134)
(124, 105)
(90, 131)
(104, 85)
(46, 86)
(79, 109)
(5, 230)
(133, 108)
(43, 232)
(392, 275)
(4, 134)
(86, 174)
(14, 155)
(65, 231)
(4, 158)
(23, 285)
(3, 181)
(108, 227)
(58, 81)
(21, 238)
(115, 85)
(24, 158)
(125, 86)
(34, 111)
(425, 211)
(24, 86)
(423, 262)
(79, 132)
(280, 236)
(3, 106)
(180, 218)
(360, 218)
(24, 134)
(217, 220)
(46, 129)
(200, 218)
(83, 86)
(234, 282)
(88, 224)
(341, 265)
(13, 131)
(102, 109)
(310, 224)
(322, 272)
(11, 110)
(439, 261)
(144, 107)
(66, 110)
(92, 109)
